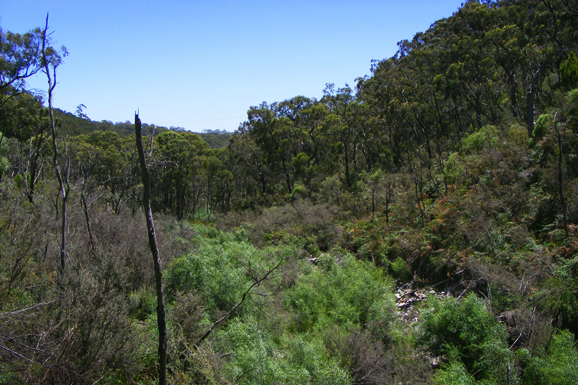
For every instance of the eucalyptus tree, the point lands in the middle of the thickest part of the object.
(180, 167)
(276, 130)
(21, 113)
(339, 125)
(24, 120)
(20, 58)
(251, 173)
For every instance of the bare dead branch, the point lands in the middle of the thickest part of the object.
(19, 355)
(373, 368)
(10, 314)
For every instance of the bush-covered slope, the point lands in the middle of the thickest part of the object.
(420, 228)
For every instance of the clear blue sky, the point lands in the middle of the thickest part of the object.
(202, 64)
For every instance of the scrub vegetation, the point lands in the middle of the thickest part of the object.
(418, 228)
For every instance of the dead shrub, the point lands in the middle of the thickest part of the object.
(371, 362)
(300, 218)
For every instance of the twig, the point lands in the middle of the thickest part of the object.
(28, 347)
(373, 369)
(19, 355)
(470, 286)
(3, 315)
(517, 339)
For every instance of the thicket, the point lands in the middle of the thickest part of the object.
(451, 170)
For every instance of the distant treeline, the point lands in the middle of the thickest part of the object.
(498, 64)
(71, 124)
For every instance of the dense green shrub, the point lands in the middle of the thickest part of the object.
(557, 294)
(308, 355)
(544, 124)
(219, 270)
(569, 71)
(400, 270)
(485, 137)
(214, 271)
(466, 333)
(454, 374)
(557, 365)
(339, 291)
(256, 359)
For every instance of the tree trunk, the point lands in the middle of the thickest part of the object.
(560, 176)
(155, 253)
(531, 103)
(50, 72)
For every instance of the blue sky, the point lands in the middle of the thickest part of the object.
(202, 64)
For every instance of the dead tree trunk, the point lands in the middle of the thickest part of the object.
(155, 253)
(49, 63)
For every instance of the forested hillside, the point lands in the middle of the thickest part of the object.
(418, 227)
